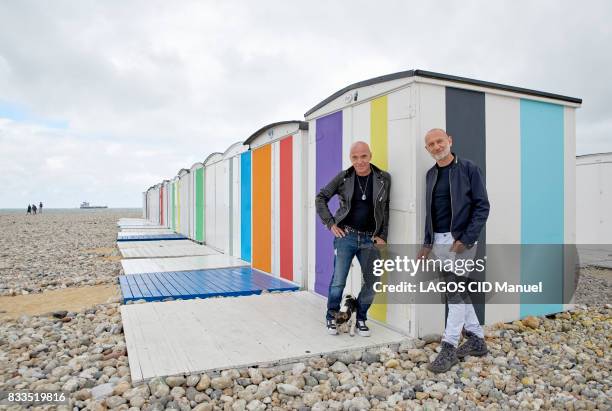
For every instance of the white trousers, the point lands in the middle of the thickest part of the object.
(460, 315)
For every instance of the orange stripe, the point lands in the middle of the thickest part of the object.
(262, 206)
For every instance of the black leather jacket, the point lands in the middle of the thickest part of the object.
(469, 202)
(343, 185)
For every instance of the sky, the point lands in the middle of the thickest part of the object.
(101, 99)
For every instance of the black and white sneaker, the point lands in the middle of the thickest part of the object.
(362, 329)
(331, 327)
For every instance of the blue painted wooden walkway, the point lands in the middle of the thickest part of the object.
(151, 237)
(216, 282)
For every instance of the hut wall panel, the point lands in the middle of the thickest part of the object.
(166, 208)
(199, 204)
(465, 120)
(569, 191)
(542, 202)
(300, 227)
(355, 122)
(431, 113)
(286, 208)
(210, 195)
(192, 204)
(230, 191)
(328, 164)
(184, 192)
(504, 190)
(312, 220)
(245, 206)
(221, 207)
(589, 212)
(275, 208)
(162, 211)
(236, 206)
(262, 193)
(400, 149)
(379, 143)
(179, 200)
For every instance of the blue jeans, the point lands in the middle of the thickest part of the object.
(345, 249)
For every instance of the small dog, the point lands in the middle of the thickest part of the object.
(346, 317)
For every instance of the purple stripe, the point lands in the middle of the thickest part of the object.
(329, 163)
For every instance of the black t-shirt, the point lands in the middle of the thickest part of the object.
(361, 215)
(441, 201)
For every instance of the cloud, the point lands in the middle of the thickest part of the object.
(117, 90)
(56, 163)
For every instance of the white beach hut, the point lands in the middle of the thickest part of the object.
(278, 167)
(523, 141)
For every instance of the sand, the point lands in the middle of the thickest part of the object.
(69, 299)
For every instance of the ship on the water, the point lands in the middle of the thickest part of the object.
(86, 205)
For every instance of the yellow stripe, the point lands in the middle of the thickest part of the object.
(378, 132)
(380, 158)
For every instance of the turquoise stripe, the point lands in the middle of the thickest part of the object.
(542, 204)
(245, 206)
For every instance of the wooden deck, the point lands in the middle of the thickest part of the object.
(142, 236)
(157, 265)
(158, 249)
(218, 282)
(138, 222)
(190, 337)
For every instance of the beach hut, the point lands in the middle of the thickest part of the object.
(594, 195)
(216, 202)
(152, 204)
(233, 159)
(182, 198)
(523, 141)
(197, 202)
(278, 167)
(144, 205)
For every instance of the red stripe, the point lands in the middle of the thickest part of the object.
(286, 208)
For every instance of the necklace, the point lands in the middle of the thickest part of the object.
(363, 195)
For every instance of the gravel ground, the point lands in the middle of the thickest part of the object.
(561, 362)
(59, 249)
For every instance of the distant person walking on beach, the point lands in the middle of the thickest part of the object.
(40, 208)
(34, 209)
(29, 209)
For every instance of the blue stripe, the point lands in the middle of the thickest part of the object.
(542, 204)
(245, 206)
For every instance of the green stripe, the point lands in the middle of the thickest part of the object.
(199, 204)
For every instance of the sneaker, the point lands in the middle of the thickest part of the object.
(331, 327)
(445, 359)
(473, 345)
(362, 329)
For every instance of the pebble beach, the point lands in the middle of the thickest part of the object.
(558, 362)
(58, 249)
